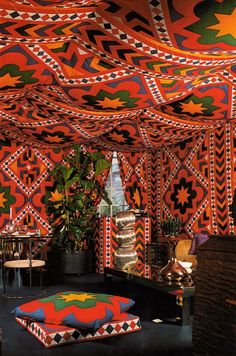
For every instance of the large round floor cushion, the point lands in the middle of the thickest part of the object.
(75, 309)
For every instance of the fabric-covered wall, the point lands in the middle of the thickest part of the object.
(24, 179)
(133, 172)
(195, 180)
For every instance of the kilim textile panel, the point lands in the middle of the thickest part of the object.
(57, 335)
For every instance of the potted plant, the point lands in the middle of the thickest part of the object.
(71, 208)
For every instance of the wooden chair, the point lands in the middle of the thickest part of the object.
(182, 252)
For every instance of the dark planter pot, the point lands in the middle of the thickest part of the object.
(80, 262)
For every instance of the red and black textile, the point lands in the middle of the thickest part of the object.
(133, 171)
(156, 77)
(80, 310)
(113, 75)
(56, 335)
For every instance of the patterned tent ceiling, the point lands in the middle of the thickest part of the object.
(124, 74)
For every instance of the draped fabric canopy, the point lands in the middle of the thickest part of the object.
(121, 75)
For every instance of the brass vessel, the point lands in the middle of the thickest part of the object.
(173, 271)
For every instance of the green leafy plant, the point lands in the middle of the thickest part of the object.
(171, 226)
(71, 204)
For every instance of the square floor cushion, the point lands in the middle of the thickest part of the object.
(75, 309)
(57, 335)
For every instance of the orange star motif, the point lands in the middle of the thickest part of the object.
(192, 108)
(2, 200)
(182, 195)
(80, 297)
(55, 139)
(118, 138)
(7, 80)
(110, 103)
(226, 24)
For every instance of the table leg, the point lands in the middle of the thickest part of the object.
(185, 317)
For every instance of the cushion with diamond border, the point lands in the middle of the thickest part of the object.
(58, 335)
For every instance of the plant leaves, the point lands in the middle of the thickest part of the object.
(101, 165)
(72, 217)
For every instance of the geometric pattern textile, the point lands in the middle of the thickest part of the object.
(154, 164)
(105, 239)
(194, 180)
(56, 335)
(198, 181)
(24, 178)
(111, 75)
(133, 168)
(156, 78)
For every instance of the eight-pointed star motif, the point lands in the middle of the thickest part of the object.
(80, 297)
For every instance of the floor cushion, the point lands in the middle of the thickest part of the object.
(56, 335)
(77, 309)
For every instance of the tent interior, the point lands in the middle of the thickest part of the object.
(152, 80)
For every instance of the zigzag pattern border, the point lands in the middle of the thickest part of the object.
(220, 223)
(229, 175)
(154, 194)
(188, 162)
